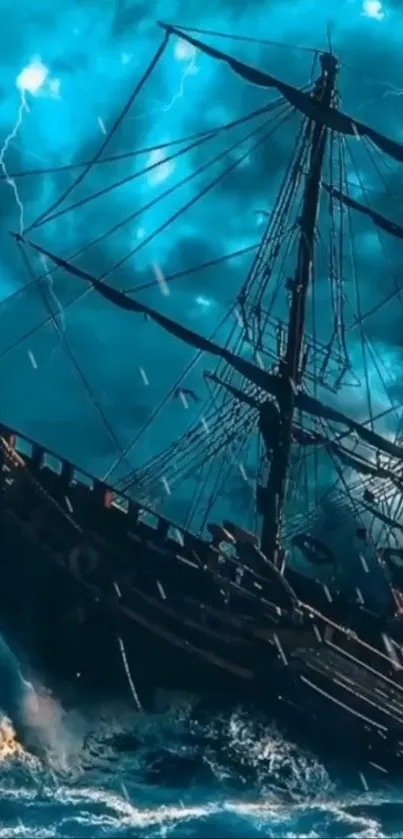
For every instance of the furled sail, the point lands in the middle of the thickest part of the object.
(378, 219)
(330, 117)
(312, 438)
(268, 382)
(316, 408)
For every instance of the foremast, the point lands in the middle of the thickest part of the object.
(272, 498)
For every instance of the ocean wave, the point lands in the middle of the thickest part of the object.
(167, 775)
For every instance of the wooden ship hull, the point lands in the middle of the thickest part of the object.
(105, 602)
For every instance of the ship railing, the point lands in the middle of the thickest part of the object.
(137, 522)
(43, 463)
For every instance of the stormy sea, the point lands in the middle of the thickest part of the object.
(109, 770)
(112, 771)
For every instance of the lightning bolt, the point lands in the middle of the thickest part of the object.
(160, 107)
(59, 314)
(389, 90)
(3, 151)
(189, 69)
(33, 79)
(392, 90)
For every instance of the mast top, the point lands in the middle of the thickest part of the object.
(329, 63)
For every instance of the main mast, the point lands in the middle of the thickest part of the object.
(273, 496)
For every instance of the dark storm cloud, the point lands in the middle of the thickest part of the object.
(32, 189)
(127, 15)
(112, 349)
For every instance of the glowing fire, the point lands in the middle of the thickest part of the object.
(9, 745)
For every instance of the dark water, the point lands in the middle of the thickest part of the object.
(109, 771)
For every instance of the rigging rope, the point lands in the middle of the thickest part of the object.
(204, 447)
(367, 146)
(157, 464)
(262, 267)
(247, 39)
(72, 357)
(149, 205)
(47, 320)
(168, 396)
(200, 448)
(146, 75)
(229, 453)
(202, 483)
(151, 166)
(375, 484)
(217, 415)
(358, 322)
(213, 450)
(87, 291)
(196, 197)
(357, 292)
(358, 513)
(185, 273)
(374, 152)
(84, 249)
(54, 170)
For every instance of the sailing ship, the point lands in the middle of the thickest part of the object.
(103, 587)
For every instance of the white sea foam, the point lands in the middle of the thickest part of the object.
(95, 791)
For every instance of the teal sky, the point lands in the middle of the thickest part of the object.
(77, 64)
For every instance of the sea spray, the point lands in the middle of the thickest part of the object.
(28, 710)
(14, 689)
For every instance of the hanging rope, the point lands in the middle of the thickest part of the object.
(129, 676)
